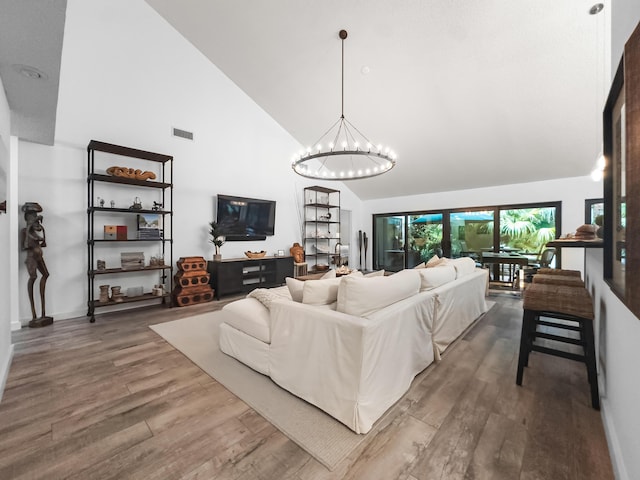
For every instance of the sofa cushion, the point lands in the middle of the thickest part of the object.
(463, 265)
(295, 287)
(377, 273)
(249, 316)
(320, 292)
(434, 277)
(361, 296)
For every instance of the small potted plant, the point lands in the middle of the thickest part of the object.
(217, 238)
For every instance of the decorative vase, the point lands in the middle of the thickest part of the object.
(217, 257)
(104, 294)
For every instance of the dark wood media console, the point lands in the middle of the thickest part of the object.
(238, 275)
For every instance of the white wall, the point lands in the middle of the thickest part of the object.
(617, 337)
(120, 86)
(6, 348)
(572, 192)
(617, 329)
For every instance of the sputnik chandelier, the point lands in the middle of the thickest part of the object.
(343, 152)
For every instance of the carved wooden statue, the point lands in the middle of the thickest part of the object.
(33, 240)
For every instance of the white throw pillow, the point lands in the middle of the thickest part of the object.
(295, 288)
(361, 296)
(434, 277)
(463, 265)
(320, 292)
(329, 274)
(264, 296)
(433, 261)
(421, 265)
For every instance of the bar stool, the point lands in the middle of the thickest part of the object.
(569, 280)
(559, 271)
(562, 302)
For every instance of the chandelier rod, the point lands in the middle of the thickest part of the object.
(343, 35)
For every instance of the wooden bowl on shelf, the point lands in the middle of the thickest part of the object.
(260, 254)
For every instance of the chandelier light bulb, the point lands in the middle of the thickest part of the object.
(344, 145)
(331, 145)
(356, 145)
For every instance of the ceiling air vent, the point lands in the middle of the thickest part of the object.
(182, 134)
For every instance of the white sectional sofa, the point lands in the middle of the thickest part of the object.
(352, 345)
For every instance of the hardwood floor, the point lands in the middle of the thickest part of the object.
(112, 400)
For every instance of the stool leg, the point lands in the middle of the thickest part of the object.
(527, 318)
(590, 354)
(532, 326)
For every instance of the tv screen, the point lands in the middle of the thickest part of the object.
(242, 218)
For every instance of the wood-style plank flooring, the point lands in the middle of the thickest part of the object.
(113, 400)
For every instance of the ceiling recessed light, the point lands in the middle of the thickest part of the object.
(597, 8)
(30, 72)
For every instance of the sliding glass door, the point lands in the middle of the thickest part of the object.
(425, 238)
(527, 230)
(404, 240)
(471, 233)
(389, 237)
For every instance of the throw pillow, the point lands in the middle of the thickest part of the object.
(463, 265)
(320, 292)
(434, 277)
(295, 288)
(433, 261)
(264, 296)
(330, 274)
(421, 265)
(361, 296)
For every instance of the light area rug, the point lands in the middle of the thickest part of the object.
(319, 434)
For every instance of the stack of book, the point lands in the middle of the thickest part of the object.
(149, 233)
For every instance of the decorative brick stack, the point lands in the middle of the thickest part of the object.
(192, 282)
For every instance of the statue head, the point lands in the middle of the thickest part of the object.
(31, 210)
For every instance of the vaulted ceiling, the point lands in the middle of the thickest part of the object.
(468, 94)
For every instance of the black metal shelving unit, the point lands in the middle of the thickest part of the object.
(164, 188)
(322, 226)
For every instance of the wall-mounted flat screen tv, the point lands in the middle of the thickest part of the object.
(242, 218)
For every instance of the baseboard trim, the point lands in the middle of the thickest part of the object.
(4, 373)
(15, 325)
(617, 460)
